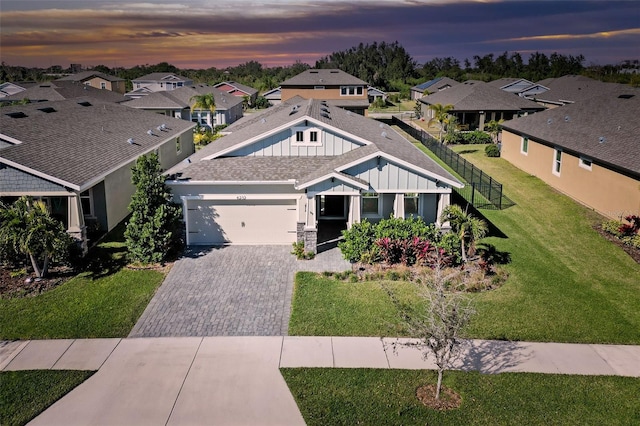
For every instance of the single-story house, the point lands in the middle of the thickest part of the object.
(374, 94)
(157, 82)
(9, 88)
(59, 90)
(303, 171)
(177, 103)
(476, 103)
(569, 89)
(432, 86)
(99, 80)
(77, 155)
(236, 89)
(589, 150)
(274, 96)
(519, 86)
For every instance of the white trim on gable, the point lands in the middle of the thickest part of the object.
(400, 162)
(298, 122)
(336, 175)
(10, 139)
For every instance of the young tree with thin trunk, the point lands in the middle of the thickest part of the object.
(440, 116)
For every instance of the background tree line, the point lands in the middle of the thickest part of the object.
(387, 66)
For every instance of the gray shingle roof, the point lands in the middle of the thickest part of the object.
(160, 76)
(435, 85)
(242, 87)
(181, 98)
(380, 138)
(86, 75)
(578, 128)
(59, 90)
(323, 77)
(75, 143)
(479, 96)
(574, 88)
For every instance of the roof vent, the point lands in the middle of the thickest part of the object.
(150, 132)
(18, 114)
(313, 72)
(381, 125)
(130, 141)
(334, 72)
(626, 96)
(325, 109)
(325, 115)
(84, 104)
(602, 139)
(566, 118)
(47, 110)
(384, 135)
(294, 109)
(264, 120)
(549, 121)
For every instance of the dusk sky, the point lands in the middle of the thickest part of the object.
(209, 33)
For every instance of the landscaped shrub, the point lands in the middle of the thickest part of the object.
(471, 138)
(300, 252)
(402, 229)
(492, 151)
(612, 227)
(358, 242)
(628, 232)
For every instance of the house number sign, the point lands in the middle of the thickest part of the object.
(241, 197)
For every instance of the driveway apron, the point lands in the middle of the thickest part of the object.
(229, 291)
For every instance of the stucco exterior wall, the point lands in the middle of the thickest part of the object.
(114, 86)
(602, 189)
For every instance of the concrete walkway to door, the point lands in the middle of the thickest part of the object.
(229, 291)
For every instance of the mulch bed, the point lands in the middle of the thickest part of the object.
(26, 285)
(448, 400)
(631, 251)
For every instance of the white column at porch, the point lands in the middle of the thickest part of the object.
(311, 212)
(354, 210)
(443, 202)
(398, 206)
(75, 219)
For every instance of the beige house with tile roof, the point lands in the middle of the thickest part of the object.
(77, 155)
(589, 150)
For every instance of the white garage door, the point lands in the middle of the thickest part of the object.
(242, 222)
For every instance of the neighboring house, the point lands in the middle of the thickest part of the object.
(9, 89)
(303, 171)
(240, 90)
(374, 94)
(339, 88)
(77, 155)
(98, 80)
(476, 103)
(519, 86)
(589, 150)
(177, 103)
(61, 90)
(569, 89)
(274, 96)
(157, 82)
(432, 86)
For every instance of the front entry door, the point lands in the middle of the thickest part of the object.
(332, 207)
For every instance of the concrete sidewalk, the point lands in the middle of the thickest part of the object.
(235, 380)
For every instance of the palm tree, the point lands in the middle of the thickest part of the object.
(468, 228)
(440, 115)
(29, 228)
(205, 101)
(494, 127)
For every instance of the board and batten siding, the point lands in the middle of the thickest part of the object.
(337, 186)
(280, 145)
(390, 176)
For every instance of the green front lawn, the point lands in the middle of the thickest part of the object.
(387, 397)
(566, 283)
(104, 301)
(25, 394)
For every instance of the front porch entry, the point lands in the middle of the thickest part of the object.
(333, 211)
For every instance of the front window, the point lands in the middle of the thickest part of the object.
(86, 199)
(411, 204)
(103, 85)
(524, 148)
(178, 145)
(557, 161)
(299, 136)
(585, 163)
(305, 136)
(313, 136)
(370, 204)
(351, 90)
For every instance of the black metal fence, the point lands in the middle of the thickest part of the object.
(481, 191)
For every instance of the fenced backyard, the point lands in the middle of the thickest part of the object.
(481, 190)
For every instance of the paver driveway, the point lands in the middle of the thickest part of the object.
(229, 291)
